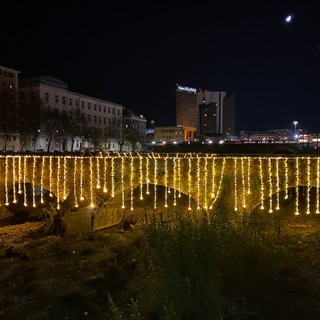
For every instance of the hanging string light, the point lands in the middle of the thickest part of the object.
(41, 179)
(318, 186)
(33, 182)
(189, 183)
(58, 183)
(249, 175)
(19, 175)
(50, 175)
(141, 176)
(91, 182)
(179, 176)
(122, 182)
(308, 185)
(277, 184)
(131, 181)
(81, 179)
(220, 183)
(235, 185)
(213, 175)
(75, 181)
(64, 178)
(25, 202)
(297, 185)
(105, 175)
(98, 186)
(198, 182)
(262, 184)
(286, 178)
(243, 182)
(112, 177)
(6, 171)
(155, 181)
(147, 175)
(14, 180)
(166, 181)
(174, 163)
(205, 182)
(270, 184)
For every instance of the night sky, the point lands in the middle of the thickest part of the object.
(134, 54)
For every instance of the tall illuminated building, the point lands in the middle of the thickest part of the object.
(203, 112)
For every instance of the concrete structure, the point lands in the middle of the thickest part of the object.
(204, 112)
(9, 116)
(67, 120)
(169, 134)
(124, 181)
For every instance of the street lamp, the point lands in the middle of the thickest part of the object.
(295, 128)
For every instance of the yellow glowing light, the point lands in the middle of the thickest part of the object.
(308, 186)
(213, 174)
(105, 175)
(243, 182)
(41, 179)
(155, 181)
(270, 184)
(286, 178)
(25, 203)
(249, 175)
(122, 182)
(189, 183)
(297, 185)
(91, 183)
(33, 182)
(166, 181)
(220, 183)
(262, 183)
(19, 176)
(14, 189)
(147, 175)
(198, 182)
(277, 184)
(174, 162)
(64, 178)
(318, 186)
(98, 186)
(50, 176)
(6, 172)
(58, 183)
(131, 182)
(235, 185)
(81, 179)
(179, 176)
(112, 177)
(141, 176)
(205, 182)
(75, 181)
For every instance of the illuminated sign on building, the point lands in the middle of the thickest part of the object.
(187, 89)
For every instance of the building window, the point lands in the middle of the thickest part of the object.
(99, 108)
(82, 104)
(95, 107)
(77, 103)
(46, 98)
(63, 100)
(104, 109)
(70, 102)
(89, 106)
(56, 98)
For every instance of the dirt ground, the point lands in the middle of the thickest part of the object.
(49, 277)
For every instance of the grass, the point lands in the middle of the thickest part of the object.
(174, 266)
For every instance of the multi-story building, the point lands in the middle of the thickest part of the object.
(203, 112)
(134, 130)
(9, 130)
(169, 134)
(64, 120)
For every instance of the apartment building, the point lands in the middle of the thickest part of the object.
(9, 117)
(64, 120)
